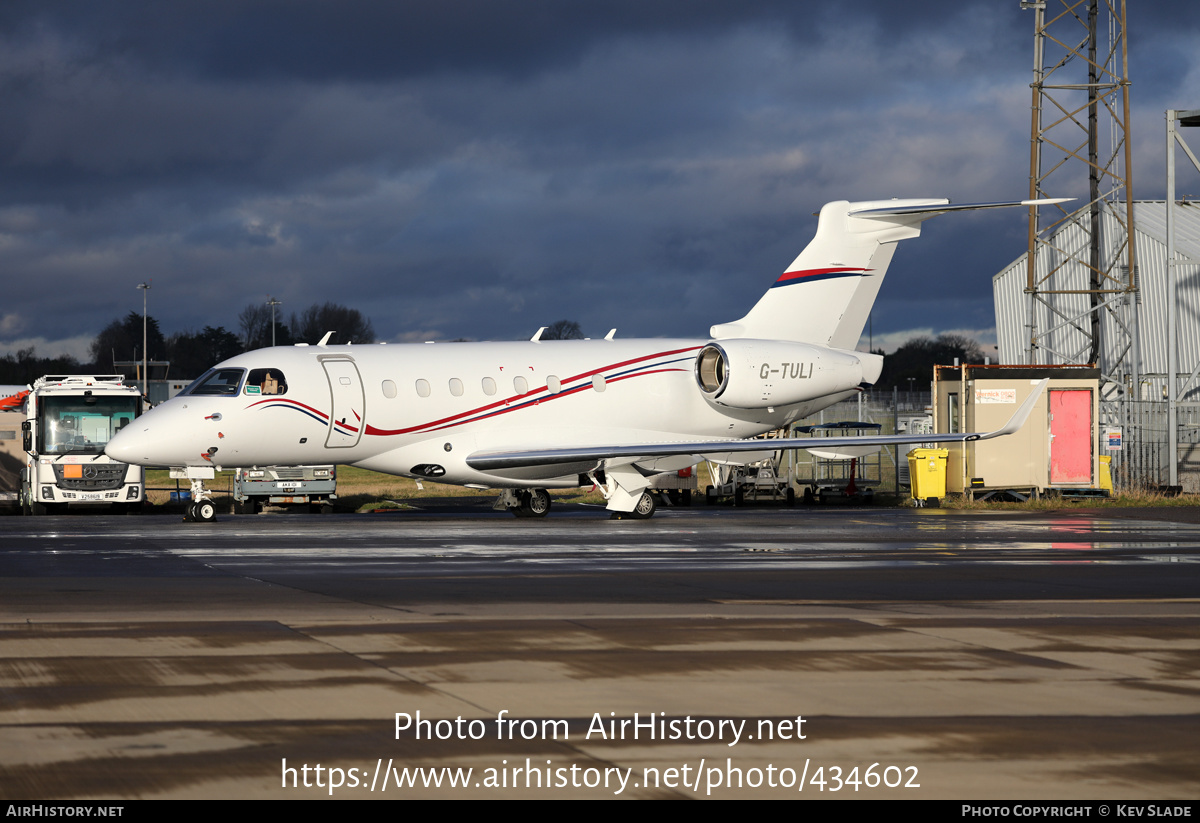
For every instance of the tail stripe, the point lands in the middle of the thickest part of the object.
(790, 278)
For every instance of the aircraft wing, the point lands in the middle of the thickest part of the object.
(491, 461)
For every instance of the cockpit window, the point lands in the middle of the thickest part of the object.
(219, 382)
(266, 381)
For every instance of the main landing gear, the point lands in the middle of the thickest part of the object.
(524, 502)
(536, 502)
(644, 510)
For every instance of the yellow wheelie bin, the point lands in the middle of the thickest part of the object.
(927, 475)
(1106, 473)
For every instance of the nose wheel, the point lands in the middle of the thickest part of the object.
(201, 509)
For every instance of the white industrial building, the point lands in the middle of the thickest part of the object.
(1064, 337)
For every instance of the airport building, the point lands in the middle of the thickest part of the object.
(1133, 331)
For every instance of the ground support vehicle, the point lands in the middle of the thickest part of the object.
(69, 419)
(312, 486)
(846, 474)
(675, 487)
(765, 480)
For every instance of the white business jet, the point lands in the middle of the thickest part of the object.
(524, 417)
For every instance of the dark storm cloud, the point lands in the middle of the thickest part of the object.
(322, 41)
(482, 168)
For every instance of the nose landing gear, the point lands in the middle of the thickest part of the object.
(201, 509)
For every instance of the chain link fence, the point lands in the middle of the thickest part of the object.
(1142, 462)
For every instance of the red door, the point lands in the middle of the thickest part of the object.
(1070, 436)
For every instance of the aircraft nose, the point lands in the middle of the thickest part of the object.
(130, 444)
(150, 440)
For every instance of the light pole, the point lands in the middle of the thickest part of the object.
(145, 287)
(272, 302)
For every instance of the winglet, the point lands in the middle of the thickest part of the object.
(325, 339)
(537, 335)
(1019, 417)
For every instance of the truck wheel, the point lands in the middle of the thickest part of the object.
(686, 497)
(791, 497)
(710, 495)
(739, 496)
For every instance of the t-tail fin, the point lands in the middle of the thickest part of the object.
(826, 295)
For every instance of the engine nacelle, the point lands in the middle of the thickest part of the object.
(757, 374)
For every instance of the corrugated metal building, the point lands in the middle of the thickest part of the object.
(1067, 342)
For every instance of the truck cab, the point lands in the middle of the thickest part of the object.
(69, 419)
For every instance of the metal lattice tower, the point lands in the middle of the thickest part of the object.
(1081, 280)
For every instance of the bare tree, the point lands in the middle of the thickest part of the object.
(348, 325)
(563, 330)
(255, 323)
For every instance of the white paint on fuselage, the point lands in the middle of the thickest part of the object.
(649, 395)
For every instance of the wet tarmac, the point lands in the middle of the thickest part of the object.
(979, 655)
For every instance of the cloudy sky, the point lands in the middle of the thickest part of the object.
(477, 169)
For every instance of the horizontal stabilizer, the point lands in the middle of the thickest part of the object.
(933, 211)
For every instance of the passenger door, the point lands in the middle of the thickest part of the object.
(347, 411)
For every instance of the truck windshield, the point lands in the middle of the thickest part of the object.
(82, 425)
(220, 382)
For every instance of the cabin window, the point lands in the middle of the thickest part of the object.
(598, 382)
(266, 382)
(456, 387)
(423, 387)
(952, 409)
(520, 384)
(389, 388)
(489, 386)
(219, 382)
(553, 384)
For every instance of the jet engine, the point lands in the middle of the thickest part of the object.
(755, 374)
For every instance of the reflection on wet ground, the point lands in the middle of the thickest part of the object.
(1002, 655)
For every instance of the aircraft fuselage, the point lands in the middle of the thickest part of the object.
(420, 410)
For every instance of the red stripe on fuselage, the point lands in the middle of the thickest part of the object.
(566, 393)
(289, 400)
(446, 422)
